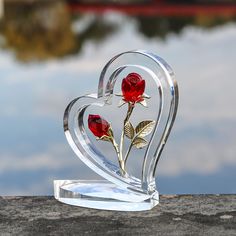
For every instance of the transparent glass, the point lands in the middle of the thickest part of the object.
(120, 190)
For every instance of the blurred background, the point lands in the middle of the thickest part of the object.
(53, 51)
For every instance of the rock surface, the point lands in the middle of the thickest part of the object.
(175, 215)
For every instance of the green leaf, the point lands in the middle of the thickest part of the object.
(121, 103)
(140, 142)
(119, 94)
(108, 137)
(105, 138)
(129, 130)
(146, 96)
(144, 128)
(110, 132)
(143, 103)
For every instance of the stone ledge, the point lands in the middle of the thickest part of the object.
(175, 215)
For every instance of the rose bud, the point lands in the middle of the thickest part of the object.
(99, 126)
(133, 88)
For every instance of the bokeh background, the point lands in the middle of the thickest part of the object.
(53, 51)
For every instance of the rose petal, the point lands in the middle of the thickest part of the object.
(98, 126)
(140, 87)
(133, 87)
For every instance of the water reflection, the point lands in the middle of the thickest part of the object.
(160, 27)
(50, 56)
(48, 30)
(45, 31)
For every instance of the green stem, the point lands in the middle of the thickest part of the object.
(130, 147)
(120, 160)
(129, 112)
(128, 151)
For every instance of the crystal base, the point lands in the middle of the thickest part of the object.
(101, 194)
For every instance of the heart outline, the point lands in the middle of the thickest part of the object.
(84, 148)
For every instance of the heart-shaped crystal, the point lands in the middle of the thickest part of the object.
(135, 71)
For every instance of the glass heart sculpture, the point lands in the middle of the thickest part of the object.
(131, 137)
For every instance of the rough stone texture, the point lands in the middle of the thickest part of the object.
(175, 215)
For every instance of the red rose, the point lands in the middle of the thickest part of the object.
(98, 126)
(133, 88)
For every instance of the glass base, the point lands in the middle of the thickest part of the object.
(101, 194)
